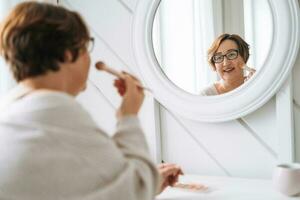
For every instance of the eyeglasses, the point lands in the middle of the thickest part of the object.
(230, 55)
(90, 44)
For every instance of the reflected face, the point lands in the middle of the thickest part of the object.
(231, 67)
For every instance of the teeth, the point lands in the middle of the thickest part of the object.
(228, 69)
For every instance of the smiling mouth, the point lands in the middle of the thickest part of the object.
(229, 69)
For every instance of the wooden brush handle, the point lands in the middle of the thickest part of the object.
(102, 66)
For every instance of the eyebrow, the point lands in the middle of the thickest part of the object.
(220, 53)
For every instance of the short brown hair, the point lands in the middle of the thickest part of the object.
(243, 47)
(35, 36)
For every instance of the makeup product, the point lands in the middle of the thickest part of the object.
(194, 187)
(102, 66)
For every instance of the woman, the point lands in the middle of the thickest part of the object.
(50, 146)
(228, 56)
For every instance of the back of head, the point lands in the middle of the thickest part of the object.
(35, 36)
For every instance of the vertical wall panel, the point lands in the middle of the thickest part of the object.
(296, 81)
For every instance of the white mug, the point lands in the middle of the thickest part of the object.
(286, 179)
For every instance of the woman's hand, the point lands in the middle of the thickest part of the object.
(169, 173)
(250, 74)
(133, 95)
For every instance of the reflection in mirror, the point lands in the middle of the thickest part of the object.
(184, 32)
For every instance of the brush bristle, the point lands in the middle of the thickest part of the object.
(100, 65)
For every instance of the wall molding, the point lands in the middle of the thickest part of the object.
(285, 122)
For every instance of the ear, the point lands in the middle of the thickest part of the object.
(68, 57)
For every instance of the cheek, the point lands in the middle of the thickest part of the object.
(84, 68)
(220, 73)
(219, 69)
(240, 62)
(86, 63)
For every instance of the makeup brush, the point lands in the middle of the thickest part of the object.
(102, 66)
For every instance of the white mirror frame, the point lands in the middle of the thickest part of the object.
(243, 100)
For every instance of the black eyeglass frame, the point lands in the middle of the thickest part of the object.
(226, 54)
(90, 44)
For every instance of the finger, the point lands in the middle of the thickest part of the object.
(129, 82)
(136, 80)
(120, 85)
(165, 184)
(180, 172)
(132, 76)
(163, 165)
(120, 81)
(133, 86)
(172, 175)
(121, 92)
(167, 167)
(171, 165)
(167, 171)
(173, 181)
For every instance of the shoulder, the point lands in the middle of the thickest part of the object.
(41, 100)
(52, 108)
(209, 90)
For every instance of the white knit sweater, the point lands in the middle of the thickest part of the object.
(50, 148)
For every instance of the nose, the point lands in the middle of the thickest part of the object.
(225, 61)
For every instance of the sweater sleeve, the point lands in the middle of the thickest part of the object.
(130, 139)
(134, 176)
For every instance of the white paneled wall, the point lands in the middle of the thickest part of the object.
(234, 147)
(245, 147)
(110, 23)
(130, 4)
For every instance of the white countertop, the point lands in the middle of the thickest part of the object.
(225, 188)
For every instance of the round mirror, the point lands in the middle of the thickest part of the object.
(271, 28)
(183, 31)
